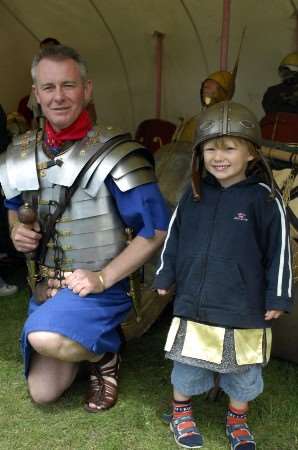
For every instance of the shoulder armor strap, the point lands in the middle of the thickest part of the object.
(105, 133)
(26, 138)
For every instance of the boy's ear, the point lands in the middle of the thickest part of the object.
(250, 157)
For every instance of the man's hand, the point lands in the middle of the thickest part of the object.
(24, 238)
(162, 291)
(84, 282)
(274, 314)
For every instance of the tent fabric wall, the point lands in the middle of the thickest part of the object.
(116, 39)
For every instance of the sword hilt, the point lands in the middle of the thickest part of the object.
(28, 216)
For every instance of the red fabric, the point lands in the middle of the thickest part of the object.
(153, 133)
(282, 127)
(235, 420)
(77, 130)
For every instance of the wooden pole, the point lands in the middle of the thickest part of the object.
(295, 15)
(158, 71)
(225, 31)
(281, 155)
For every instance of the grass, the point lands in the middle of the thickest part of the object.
(134, 424)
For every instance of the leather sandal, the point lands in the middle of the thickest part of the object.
(103, 383)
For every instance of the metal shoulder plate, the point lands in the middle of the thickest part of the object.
(18, 165)
(134, 169)
(80, 153)
(129, 164)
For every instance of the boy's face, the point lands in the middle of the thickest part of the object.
(227, 159)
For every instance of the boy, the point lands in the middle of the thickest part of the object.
(227, 251)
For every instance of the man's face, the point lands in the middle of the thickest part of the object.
(211, 92)
(210, 88)
(61, 92)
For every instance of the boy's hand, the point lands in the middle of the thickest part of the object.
(274, 314)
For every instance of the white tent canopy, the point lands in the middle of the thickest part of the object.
(116, 39)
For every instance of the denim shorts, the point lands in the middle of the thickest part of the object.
(242, 386)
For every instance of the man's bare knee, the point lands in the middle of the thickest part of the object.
(55, 345)
(49, 378)
(41, 395)
(45, 343)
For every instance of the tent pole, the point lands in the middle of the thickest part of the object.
(224, 48)
(158, 71)
(295, 15)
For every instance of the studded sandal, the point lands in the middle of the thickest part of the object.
(103, 383)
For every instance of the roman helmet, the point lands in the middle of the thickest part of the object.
(288, 65)
(225, 119)
(225, 82)
(223, 90)
(228, 119)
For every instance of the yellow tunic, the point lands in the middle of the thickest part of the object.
(206, 342)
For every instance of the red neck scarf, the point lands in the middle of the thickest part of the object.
(76, 131)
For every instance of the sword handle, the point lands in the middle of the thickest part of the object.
(27, 215)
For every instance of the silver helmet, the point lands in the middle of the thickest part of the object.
(228, 119)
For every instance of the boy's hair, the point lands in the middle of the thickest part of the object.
(221, 142)
(258, 166)
(59, 53)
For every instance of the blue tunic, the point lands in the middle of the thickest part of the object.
(92, 321)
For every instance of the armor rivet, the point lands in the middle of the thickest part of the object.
(42, 173)
(64, 232)
(82, 152)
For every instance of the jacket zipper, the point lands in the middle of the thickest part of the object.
(206, 258)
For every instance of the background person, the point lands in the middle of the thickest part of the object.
(280, 103)
(5, 288)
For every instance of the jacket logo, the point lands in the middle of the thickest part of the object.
(241, 216)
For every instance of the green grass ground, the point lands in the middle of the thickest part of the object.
(134, 424)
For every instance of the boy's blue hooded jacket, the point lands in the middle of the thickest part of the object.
(229, 255)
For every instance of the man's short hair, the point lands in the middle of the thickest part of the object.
(49, 41)
(59, 53)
